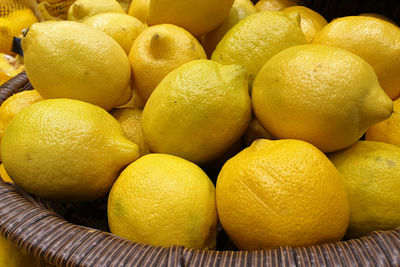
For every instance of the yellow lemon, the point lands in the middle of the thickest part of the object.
(15, 104)
(255, 131)
(65, 150)
(9, 67)
(13, 25)
(196, 16)
(375, 40)
(157, 51)
(121, 27)
(83, 9)
(87, 65)
(321, 94)
(163, 200)
(387, 131)
(275, 5)
(130, 119)
(282, 186)
(256, 38)
(371, 171)
(139, 9)
(240, 10)
(12, 256)
(134, 102)
(311, 21)
(197, 111)
(379, 16)
(4, 175)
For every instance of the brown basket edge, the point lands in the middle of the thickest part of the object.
(43, 233)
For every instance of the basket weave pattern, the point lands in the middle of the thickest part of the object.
(28, 223)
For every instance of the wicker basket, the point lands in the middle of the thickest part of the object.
(76, 235)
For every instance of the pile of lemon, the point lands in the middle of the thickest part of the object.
(137, 104)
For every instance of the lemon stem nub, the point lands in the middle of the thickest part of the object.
(158, 45)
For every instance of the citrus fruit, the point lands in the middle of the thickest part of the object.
(239, 10)
(197, 111)
(121, 27)
(4, 175)
(172, 204)
(12, 256)
(139, 9)
(65, 150)
(256, 38)
(375, 40)
(387, 131)
(13, 25)
(134, 102)
(371, 171)
(255, 131)
(130, 119)
(379, 16)
(87, 65)
(83, 9)
(157, 51)
(15, 104)
(275, 5)
(9, 67)
(281, 193)
(311, 21)
(321, 94)
(196, 16)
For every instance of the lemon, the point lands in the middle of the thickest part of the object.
(121, 27)
(15, 104)
(87, 65)
(163, 200)
(196, 16)
(275, 5)
(12, 256)
(157, 51)
(65, 150)
(130, 119)
(256, 38)
(134, 102)
(83, 9)
(371, 171)
(13, 25)
(124, 4)
(4, 175)
(311, 21)
(255, 131)
(379, 16)
(321, 94)
(197, 111)
(239, 10)
(387, 131)
(375, 40)
(9, 67)
(139, 9)
(281, 193)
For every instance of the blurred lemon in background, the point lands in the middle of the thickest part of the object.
(196, 16)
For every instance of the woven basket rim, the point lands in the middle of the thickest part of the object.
(26, 221)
